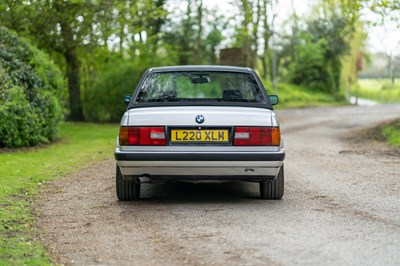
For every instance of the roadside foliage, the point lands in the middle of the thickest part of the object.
(31, 89)
(22, 175)
(103, 97)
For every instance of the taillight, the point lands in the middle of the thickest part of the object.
(257, 136)
(150, 136)
(276, 136)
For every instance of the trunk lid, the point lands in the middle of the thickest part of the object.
(186, 116)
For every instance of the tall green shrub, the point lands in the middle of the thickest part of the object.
(31, 88)
(318, 52)
(309, 67)
(103, 99)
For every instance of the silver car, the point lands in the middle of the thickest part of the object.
(199, 124)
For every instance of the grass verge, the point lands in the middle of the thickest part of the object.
(294, 96)
(379, 90)
(391, 133)
(23, 172)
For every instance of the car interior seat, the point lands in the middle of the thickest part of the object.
(232, 95)
(168, 95)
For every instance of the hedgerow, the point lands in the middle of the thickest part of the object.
(31, 88)
(103, 99)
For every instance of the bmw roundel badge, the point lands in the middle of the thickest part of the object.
(199, 119)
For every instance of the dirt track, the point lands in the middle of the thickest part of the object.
(341, 207)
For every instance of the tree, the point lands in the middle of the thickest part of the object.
(246, 35)
(388, 10)
(319, 50)
(310, 67)
(199, 37)
(352, 63)
(189, 39)
(255, 33)
(61, 27)
(74, 29)
(337, 33)
(266, 57)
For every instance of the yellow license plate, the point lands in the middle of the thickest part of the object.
(203, 135)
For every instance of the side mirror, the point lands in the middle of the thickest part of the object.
(273, 99)
(127, 99)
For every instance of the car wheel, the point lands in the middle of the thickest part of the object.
(273, 189)
(126, 189)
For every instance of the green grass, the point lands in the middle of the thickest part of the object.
(378, 84)
(293, 96)
(391, 133)
(22, 174)
(380, 90)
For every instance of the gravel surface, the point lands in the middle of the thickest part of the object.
(341, 206)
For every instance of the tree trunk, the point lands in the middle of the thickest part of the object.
(391, 69)
(266, 35)
(256, 23)
(185, 50)
(248, 15)
(156, 25)
(73, 72)
(75, 103)
(199, 55)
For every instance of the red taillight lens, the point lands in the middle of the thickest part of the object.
(142, 136)
(257, 136)
(133, 136)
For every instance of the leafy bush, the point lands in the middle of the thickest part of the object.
(31, 89)
(318, 50)
(309, 68)
(103, 100)
(391, 132)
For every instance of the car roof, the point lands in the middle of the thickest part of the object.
(201, 68)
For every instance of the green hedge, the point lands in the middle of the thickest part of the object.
(31, 88)
(103, 99)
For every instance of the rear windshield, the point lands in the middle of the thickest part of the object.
(200, 87)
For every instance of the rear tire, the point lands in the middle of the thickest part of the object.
(126, 189)
(273, 189)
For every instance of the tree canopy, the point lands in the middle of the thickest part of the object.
(94, 41)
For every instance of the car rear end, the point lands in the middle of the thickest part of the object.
(175, 136)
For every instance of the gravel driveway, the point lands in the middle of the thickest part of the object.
(341, 206)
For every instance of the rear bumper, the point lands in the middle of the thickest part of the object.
(245, 166)
(198, 156)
